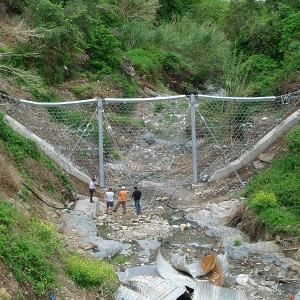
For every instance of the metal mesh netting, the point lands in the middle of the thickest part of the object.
(141, 141)
(148, 142)
(71, 129)
(226, 128)
(151, 139)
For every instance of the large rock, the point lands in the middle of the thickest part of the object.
(106, 249)
(149, 138)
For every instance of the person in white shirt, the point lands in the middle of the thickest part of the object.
(92, 189)
(109, 199)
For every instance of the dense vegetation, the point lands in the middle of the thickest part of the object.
(274, 194)
(249, 47)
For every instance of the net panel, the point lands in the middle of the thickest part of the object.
(151, 141)
(226, 129)
(71, 130)
(147, 142)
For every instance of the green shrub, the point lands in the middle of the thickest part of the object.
(27, 248)
(81, 89)
(19, 146)
(116, 154)
(282, 179)
(237, 243)
(121, 120)
(103, 49)
(279, 219)
(259, 69)
(8, 215)
(88, 272)
(128, 88)
(170, 10)
(290, 31)
(159, 106)
(62, 41)
(147, 61)
(210, 11)
(293, 140)
(263, 200)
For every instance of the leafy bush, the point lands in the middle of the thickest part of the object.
(262, 201)
(88, 272)
(274, 194)
(127, 87)
(147, 61)
(103, 50)
(170, 9)
(203, 48)
(290, 31)
(8, 215)
(19, 146)
(116, 154)
(210, 11)
(278, 219)
(282, 179)
(237, 243)
(259, 70)
(262, 36)
(293, 140)
(159, 106)
(61, 41)
(27, 247)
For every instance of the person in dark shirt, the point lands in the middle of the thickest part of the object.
(137, 200)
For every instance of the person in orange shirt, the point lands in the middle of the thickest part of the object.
(122, 200)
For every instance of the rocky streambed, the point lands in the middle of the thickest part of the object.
(261, 269)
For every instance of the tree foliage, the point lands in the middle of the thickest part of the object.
(69, 37)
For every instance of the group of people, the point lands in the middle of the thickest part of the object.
(122, 198)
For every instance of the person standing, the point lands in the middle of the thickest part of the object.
(109, 199)
(137, 200)
(92, 189)
(122, 200)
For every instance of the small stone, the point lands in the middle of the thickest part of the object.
(183, 226)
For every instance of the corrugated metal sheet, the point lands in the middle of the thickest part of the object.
(157, 288)
(167, 271)
(207, 291)
(220, 270)
(196, 269)
(124, 293)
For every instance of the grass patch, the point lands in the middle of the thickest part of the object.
(31, 250)
(90, 273)
(81, 89)
(278, 219)
(237, 243)
(21, 148)
(274, 194)
(28, 248)
(119, 260)
(125, 120)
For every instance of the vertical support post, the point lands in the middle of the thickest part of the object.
(100, 129)
(194, 139)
